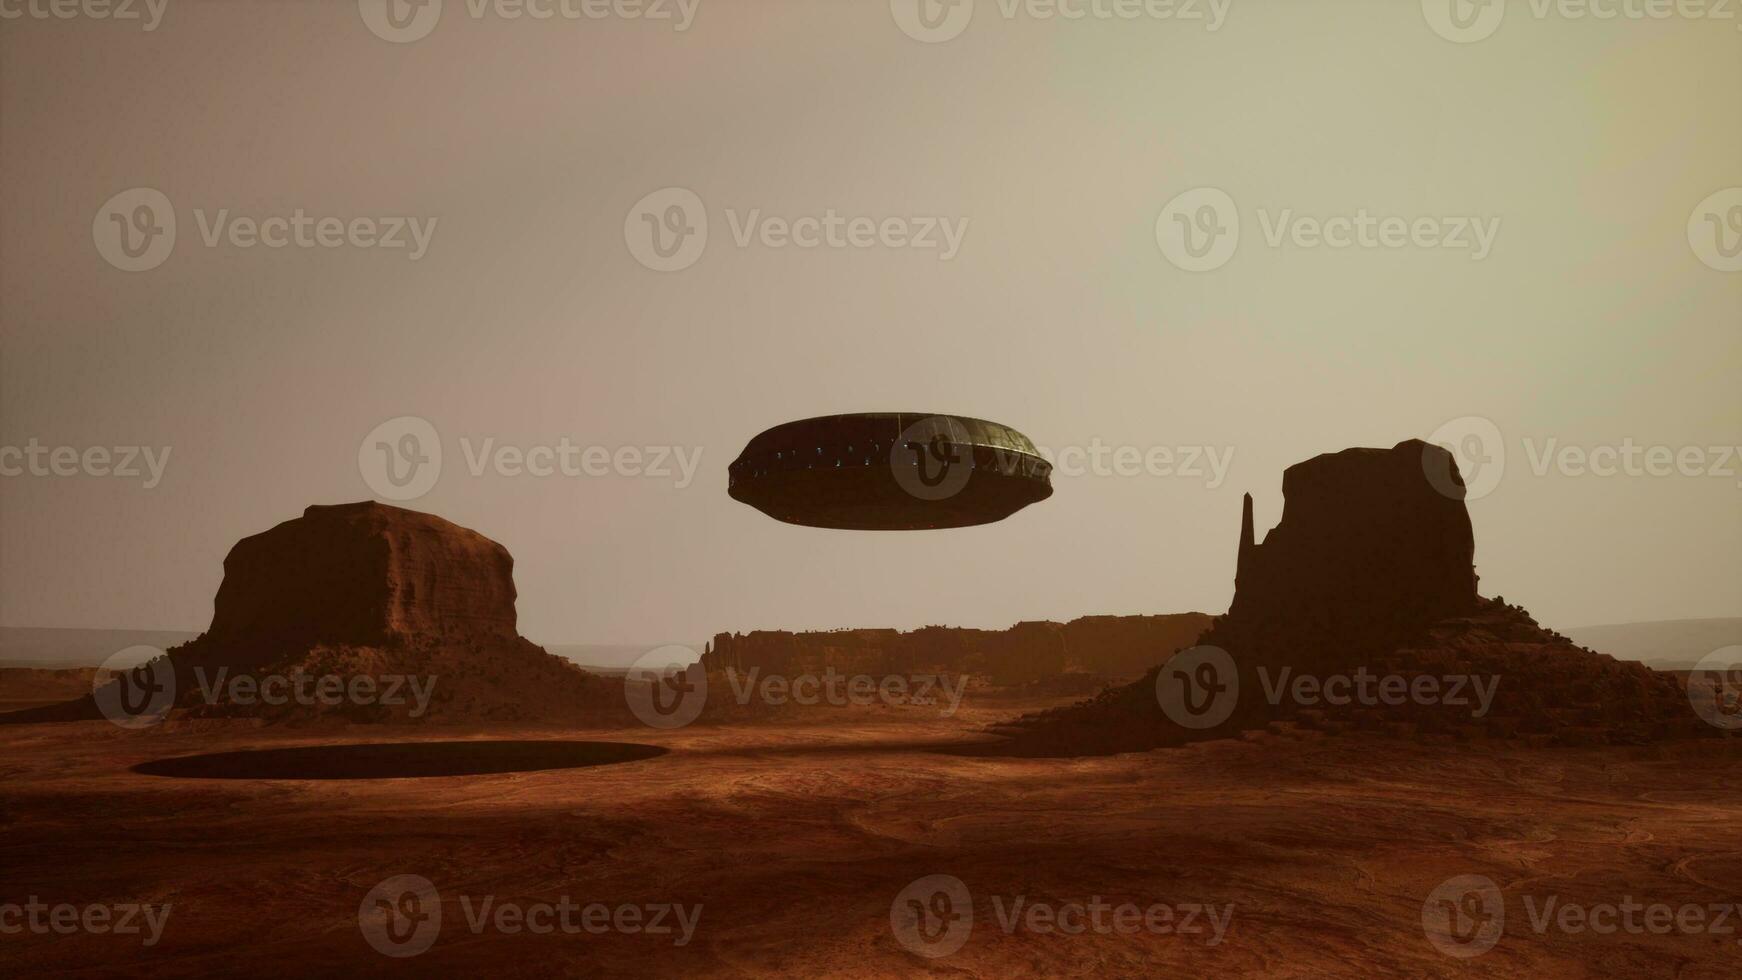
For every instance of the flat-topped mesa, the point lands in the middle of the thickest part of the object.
(1365, 534)
(358, 591)
(364, 574)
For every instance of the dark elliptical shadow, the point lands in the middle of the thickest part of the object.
(399, 760)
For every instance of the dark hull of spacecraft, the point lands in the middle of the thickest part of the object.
(864, 472)
(871, 499)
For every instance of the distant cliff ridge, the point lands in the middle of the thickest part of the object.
(1109, 646)
(51, 647)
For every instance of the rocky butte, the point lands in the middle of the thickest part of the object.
(1364, 538)
(1371, 572)
(364, 574)
(367, 589)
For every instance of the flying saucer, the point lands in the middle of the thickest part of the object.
(890, 471)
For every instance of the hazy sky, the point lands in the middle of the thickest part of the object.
(1591, 316)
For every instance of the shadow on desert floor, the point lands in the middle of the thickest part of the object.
(399, 760)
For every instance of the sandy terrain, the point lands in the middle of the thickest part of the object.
(29, 687)
(796, 838)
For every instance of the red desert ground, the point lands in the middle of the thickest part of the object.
(1363, 768)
